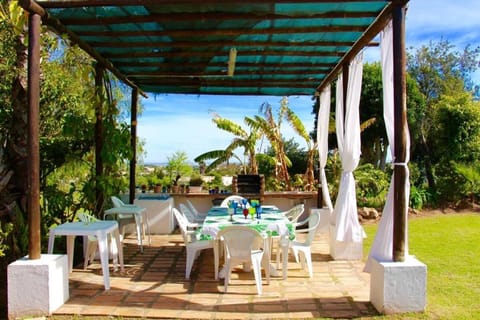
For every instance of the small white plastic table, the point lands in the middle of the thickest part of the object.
(141, 220)
(99, 229)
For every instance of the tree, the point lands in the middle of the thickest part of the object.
(270, 127)
(178, 166)
(438, 70)
(242, 139)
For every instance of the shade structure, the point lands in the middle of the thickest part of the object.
(282, 47)
(290, 37)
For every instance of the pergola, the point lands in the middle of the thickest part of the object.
(220, 47)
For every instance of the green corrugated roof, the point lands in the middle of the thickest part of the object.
(283, 48)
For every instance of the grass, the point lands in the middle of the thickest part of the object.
(450, 247)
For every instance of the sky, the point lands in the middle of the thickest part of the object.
(183, 123)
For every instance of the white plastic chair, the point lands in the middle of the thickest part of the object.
(192, 244)
(194, 220)
(232, 198)
(293, 215)
(195, 211)
(304, 247)
(243, 245)
(123, 219)
(90, 243)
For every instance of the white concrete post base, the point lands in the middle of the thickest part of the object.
(340, 250)
(37, 287)
(398, 287)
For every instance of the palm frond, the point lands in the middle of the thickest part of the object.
(367, 123)
(229, 126)
(297, 125)
(214, 154)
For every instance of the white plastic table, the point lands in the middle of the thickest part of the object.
(141, 220)
(99, 229)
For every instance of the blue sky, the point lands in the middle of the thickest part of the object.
(171, 123)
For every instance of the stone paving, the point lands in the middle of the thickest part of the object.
(153, 286)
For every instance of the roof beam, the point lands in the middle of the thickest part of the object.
(32, 6)
(383, 18)
(172, 81)
(209, 54)
(220, 32)
(200, 73)
(101, 3)
(165, 65)
(213, 16)
(237, 44)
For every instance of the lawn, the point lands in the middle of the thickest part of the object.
(449, 244)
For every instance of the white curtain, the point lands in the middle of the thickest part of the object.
(322, 138)
(347, 227)
(382, 246)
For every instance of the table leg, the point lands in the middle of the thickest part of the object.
(70, 251)
(139, 227)
(285, 259)
(148, 227)
(51, 240)
(103, 248)
(216, 256)
(116, 236)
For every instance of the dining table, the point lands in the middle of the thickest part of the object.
(101, 230)
(270, 223)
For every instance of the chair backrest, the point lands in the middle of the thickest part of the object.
(240, 241)
(192, 208)
(294, 213)
(190, 216)
(313, 223)
(117, 203)
(85, 217)
(231, 198)
(182, 223)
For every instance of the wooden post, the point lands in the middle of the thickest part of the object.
(133, 142)
(320, 187)
(33, 189)
(345, 70)
(400, 206)
(99, 138)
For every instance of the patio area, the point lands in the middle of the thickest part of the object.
(153, 286)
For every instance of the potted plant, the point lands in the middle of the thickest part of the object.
(195, 185)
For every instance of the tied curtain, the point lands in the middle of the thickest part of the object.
(347, 227)
(322, 139)
(382, 247)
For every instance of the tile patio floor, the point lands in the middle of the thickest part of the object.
(153, 286)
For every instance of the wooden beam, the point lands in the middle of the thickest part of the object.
(32, 7)
(214, 16)
(59, 28)
(202, 73)
(400, 205)
(33, 147)
(133, 144)
(172, 81)
(383, 18)
(220, 32)
(102, 3)
(169, 65)
(209, 54)
(221, 44)
(99, 138)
